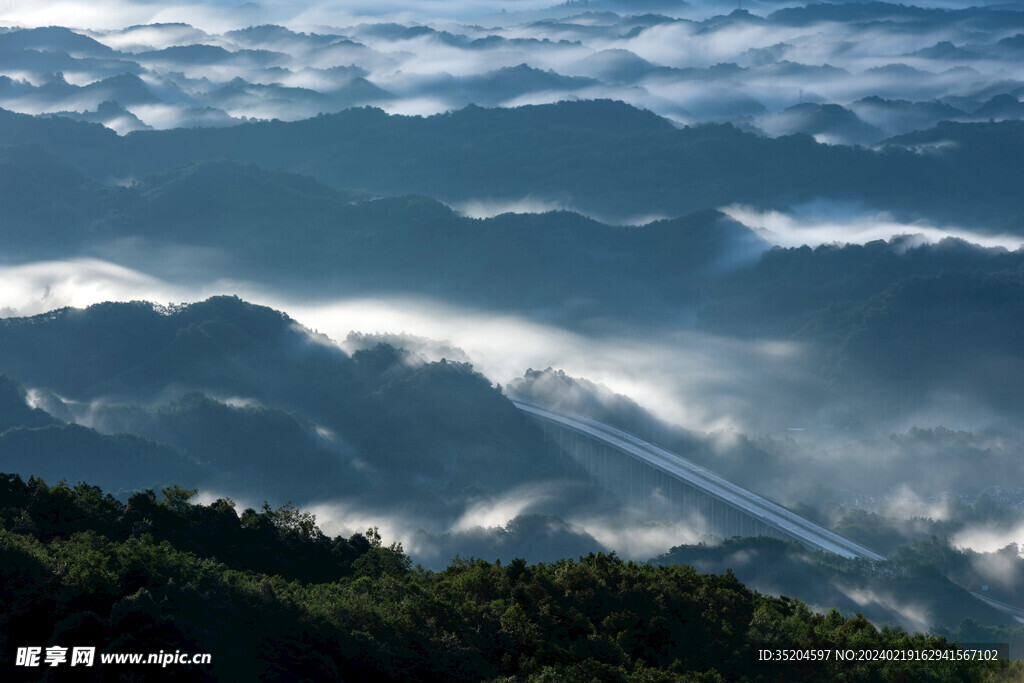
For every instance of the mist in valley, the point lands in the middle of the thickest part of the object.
(843, 76)
(755, 409)
(313, 251)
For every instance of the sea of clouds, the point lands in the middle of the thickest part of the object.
(891, 69)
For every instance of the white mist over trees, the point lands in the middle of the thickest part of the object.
(783, 242)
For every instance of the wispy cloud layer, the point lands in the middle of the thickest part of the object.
(822, 222)
(686, 377)
(429, 57)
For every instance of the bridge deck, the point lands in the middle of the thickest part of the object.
(709, 483)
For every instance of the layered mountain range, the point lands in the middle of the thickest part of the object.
(311, 261)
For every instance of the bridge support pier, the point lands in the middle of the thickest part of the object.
(630, 467)
(662, 498)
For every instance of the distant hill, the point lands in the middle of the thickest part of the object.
(236, 397)
(890, 324)
(601, 157)
(303, 235)
(702, 269)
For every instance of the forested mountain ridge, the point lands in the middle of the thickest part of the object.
(268, 595)
(267, 225)
(604, 158)
(793, 238)
(705, 268)
(239, 397)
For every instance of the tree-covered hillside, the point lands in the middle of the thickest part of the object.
(270, 597)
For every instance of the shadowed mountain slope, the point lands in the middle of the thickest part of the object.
(602, 157)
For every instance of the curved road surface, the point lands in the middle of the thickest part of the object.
(776, 516)
(1015, 612)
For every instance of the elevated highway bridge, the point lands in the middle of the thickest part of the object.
(637, 470)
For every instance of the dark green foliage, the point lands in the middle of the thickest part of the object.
(282, 541)
(170, 575)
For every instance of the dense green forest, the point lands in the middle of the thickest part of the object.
(269, 596)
